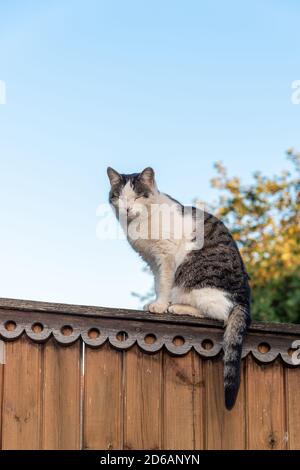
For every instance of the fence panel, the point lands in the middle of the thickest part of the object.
(143, 390)
(103, 399)
(157, 386)
(62, 396)
(293, 408)
(178, 402)
(3, 351)
(224, 429)
(22, 396)
(266, 406)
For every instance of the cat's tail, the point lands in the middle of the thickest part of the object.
(238, 321)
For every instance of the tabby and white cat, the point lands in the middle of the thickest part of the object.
(208, 281)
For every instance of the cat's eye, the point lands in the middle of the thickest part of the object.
(141, 196)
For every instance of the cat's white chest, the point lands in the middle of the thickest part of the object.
(164, 233)
(164, 244)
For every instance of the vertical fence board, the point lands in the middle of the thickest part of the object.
(293, 407)
(1, 397)
(142, 400)
(224, 429)
(21, 427)
(103, 399)
(266, 406)
(178, 406)
(198, 402)
(61, 404)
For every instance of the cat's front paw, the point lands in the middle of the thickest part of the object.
(157, 307)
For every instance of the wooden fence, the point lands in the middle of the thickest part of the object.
(95, 378)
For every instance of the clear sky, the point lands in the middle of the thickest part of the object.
(172, 84)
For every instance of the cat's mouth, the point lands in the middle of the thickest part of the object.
(128, 215)
(132, 215)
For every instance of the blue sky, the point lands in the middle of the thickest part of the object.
(172, 84)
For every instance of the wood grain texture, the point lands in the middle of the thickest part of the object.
(132, 397)
(199, 403)
(54, 318)
(1, 397)
(103, 399)
(180, 387)
(293, 407)
(61, 404)
(266, 406)
(143, 390)
(224, 429)
(95, 311)
(21, 426)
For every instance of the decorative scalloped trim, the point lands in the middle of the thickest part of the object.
(122, 334)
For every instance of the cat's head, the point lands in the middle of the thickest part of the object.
(129, 194)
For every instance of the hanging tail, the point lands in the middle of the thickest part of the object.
(238, 321)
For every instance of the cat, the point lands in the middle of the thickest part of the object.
(204, 279)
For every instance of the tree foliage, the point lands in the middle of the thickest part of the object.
(264, 217)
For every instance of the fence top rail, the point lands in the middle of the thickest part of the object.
(83, 311)
(151, 332)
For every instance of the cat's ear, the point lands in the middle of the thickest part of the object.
(148, 176)
(114, 176)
